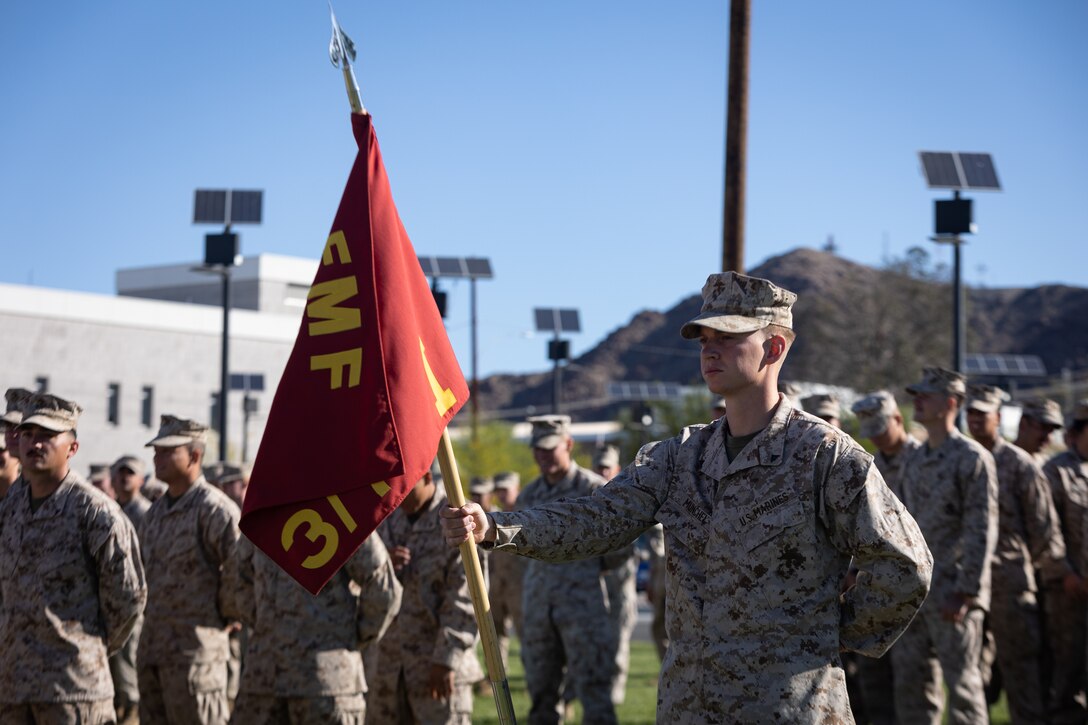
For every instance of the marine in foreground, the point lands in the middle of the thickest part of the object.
(763, 511)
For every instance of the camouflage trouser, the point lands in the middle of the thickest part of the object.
(506, 611)
(657, 628)
(1017, 626)
(184, 694)
(1065, 633)
(877, 687)
(580, 639)
(252, 709)
(623, 616)
(99, 712)
(929, 648)
(126, 690)
(393, 701)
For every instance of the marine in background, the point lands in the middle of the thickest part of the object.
(949, 485)
(1029, 539)
(1065, 604)
(72, 584)
(186, 536)
(425, 664)
(620, 583)
(303, 662)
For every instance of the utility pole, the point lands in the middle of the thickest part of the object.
(736, 137)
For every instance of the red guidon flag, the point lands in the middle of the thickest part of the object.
(370, 385)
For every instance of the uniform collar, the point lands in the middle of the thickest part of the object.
(766, 449)
(185, 501)
(54, 504)
(942, 450)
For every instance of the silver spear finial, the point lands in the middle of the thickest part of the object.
(342, 53)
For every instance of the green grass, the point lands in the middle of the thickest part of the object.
(640, 706)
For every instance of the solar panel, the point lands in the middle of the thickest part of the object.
(478, 267)
(544, 319)
(959, 170)
(940, 170)
(1011, 366)
(450, 267)
(639, 390)
(569, 322)
(979, 171)
(551, 319)
(245, 207)
(227, 206)
(210, 206)
(464, 267)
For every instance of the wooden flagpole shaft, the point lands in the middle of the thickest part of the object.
(478, 589)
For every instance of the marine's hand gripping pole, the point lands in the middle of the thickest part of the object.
(496, 672)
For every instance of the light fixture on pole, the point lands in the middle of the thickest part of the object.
(226, 207)
(954, 217)
(555, 320)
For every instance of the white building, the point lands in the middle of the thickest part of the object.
(129, 358)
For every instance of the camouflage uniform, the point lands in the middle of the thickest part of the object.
(72, 586)
(436, 625)
(655, 540)
(1065, 617)
(892, 468)
(623, 616)
(756, 552)
(182, 656)
(506, 575)
(1029, 535)
(566, 617)
(875, 675)
(302, 658)
(952, 492)
(123, 661)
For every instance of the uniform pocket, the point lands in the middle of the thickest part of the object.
(768, 519)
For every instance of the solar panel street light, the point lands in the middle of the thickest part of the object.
(556, 321)
(957, 170)
(226, 207)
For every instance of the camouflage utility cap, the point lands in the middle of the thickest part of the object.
(174, 432)
(873, 412)
(16, 399)
(549, 430)
(50, 412)
(985, 398)
(1044, 410)
(822, 405)
(221, 473)
(606, 456)
(130, 462)
(1080, 410)
(507, 479)
(940, 380)
(736, 303)
(481, 486)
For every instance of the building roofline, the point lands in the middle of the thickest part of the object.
(134, 312)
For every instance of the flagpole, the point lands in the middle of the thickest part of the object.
(496, 671)
(342, 53)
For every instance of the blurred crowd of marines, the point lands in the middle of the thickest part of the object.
(126, 597)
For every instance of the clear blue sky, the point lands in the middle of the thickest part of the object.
(577, 144)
